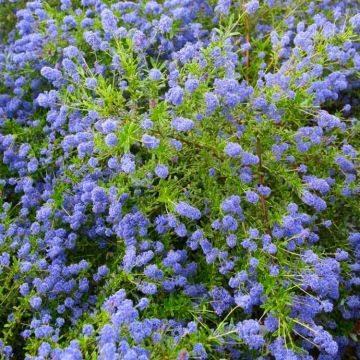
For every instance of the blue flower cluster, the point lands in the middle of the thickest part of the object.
(179, 179)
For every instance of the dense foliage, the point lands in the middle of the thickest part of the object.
(179, 179)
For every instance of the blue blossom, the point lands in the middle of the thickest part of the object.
(222, 300)
(161, 171)
(50, 74)
(249, 159)
(127, 163)
(91, 83)
(229, 223)
(211, 103)
(143, 303)
(182, 124)
(147, 288)
(147, 124)
(251, 7)
(108, 21)
(271, 323)
(191, 85)
(199, 351)
(165, 24)
(88, 330)
(355, 21)
(139, 40)
(188, 211)
(175, 95)
(35, 302)
(313, 200)
(252, 197)
(223, 7)
(233, 149)
(248, 331)
(78, 180)
(150, 142)
(177, 144)
(155, 74)
(152, 272)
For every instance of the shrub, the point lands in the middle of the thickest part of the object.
(179, 179)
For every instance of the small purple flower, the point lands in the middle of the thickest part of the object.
(223, 7)
(150, 142)
(161, 171)
(127, 163)
(251, 7)
(182, 124)
(143, 303)
(165, 24)
(35, 302)
(176, 144)
(212, 103)
(231, 240)
(355, 21)
(313, 200)
(176, 95)
(108, 21)
(111, 140)
(264, 190)
(32, 165)
(71, 52)
(248, 331)
(199, 351)
(188, 211)
(148, 288)
(249, 159)
(153, 272)
(212, 172)
(87, 329)
(91, 83)
(233, 149)
(191, 85)
(147, 124)
(50, 74)
(139, 40)
(252, 197)
(155, 74)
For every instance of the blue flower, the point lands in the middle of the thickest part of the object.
(87, 329)
(175, 95)
(188, 211)
(251, 7)
(233, 149)
(252, 197)
(155, 74)
(191, 85)
(111, 140)
(91, 83)
(165, 24)
(161, 171)
(108, 21)
(211, 103)
(182, 124)
(150, 142)
(35, 302)
(127, 163)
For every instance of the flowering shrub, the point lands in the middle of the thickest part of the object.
(179, 179)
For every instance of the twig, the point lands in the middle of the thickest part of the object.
(247, 36)
(261, 182)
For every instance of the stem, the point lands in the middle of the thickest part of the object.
(247, 36)
(305, 326)
(261, 182)
(221, 335)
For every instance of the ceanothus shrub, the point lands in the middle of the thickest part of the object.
(179, 179)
